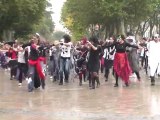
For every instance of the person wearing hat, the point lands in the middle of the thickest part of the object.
(153, 57)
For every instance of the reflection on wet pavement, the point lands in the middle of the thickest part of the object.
(71, 102)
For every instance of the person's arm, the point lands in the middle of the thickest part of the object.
(26, 45)
(110, 45)
(20, 49)
(3, 50)
(92, 46)
(67, 44)
(134, 46)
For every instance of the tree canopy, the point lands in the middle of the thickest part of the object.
(21, 16)
(112, 16)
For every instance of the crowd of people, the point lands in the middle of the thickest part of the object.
(88, 58)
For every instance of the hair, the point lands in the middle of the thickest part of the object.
(94, 39)
(144, 38)
(122, 37)
(67, 38)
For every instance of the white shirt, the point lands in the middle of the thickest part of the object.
(21, 58)
(107, 54)
(153, 51)
(66, 50)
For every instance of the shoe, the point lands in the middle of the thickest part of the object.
(98, 84)
(20, 84)
(152, 83)
(66, 81)
(115, 85)
(80, 84)
(139, 79)
(30, 90)
(106, 80)
(93, 87)
(126, 84)
(54, 79)
(43, 86)
(60, 83)
(51, 77)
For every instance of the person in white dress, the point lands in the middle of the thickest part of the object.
(153, 58)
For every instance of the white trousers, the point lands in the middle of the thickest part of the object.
(153, 67)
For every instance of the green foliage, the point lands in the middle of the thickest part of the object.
(58, 35)
(46, 26)
(79, 15)
(21, 15)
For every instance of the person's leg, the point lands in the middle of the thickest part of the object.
(61, 71)
(67, 70)
(152, 80)
(116, 84)
(106, 74)
(146, 67)
(142, 61)
(43, 70)
(31, 76)
(43, 84)
(102, 68)
(90, 79)
(11, 73)
(20, 66)
(80, 78)
(138, 75)
(51, 68)
(84, 75)
(95, 78)
(25, 70)
(153, 68)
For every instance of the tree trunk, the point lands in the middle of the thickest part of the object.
(8, 35)
(106, 31)
(151, 30)
(122, 27)
(115, 28)
(159, 29)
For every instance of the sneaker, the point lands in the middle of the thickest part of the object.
(20, 84)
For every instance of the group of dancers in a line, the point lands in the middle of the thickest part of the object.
(36, 59)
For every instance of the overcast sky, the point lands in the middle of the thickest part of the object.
(56, 7)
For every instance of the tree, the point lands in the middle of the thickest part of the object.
(46, 26)
(20, 15)
(58, 35)
(112, 16)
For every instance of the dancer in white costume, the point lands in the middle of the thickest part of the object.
(154, 58)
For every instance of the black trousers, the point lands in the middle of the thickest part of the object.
(22, 71)
(13, 66)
